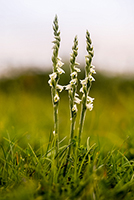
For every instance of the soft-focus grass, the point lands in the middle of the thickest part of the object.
(26, 116)
(26, 109)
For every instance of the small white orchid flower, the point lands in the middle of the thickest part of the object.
(76, 95)
(56, 98)
(68, 87)
(59, 63)
(81, 90)
(92, 71)
(90, 99)
(84, 81)
(50, 82)
(73, 74)
(77, 69)
(92, 66)
(53, 75)
(60, 87)
(73, 81)
(58, 58)
(60, 71)
(91, 78)
(89, 106)
(75, 108)
(76, 63)
(77, 100)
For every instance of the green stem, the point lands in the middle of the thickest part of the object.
(71, 137)
(56, 130)
(83, 112)
(55, 107)
(72, 128)
(71, 134)
(69, 150)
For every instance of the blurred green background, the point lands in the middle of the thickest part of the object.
(26, 112)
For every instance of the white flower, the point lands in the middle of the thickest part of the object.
(91, 78)
(77, 69)
(81, 90)
(73, 81)
(84, 81)
(92, 66)
(75, 108)
(59, 58)
(92, 71)
(77, 100)
(89, 106)
(53, 75)
(60, 71)
(73, 74)
(68, 87)
(76, 95)
(76, 63)
(90, 99)
(56, 98)
(52, 78)
(50, 82)
(60, 87)
(59, 63)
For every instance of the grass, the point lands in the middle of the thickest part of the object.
(101, 168)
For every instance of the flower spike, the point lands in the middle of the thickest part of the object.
(86, 83)
(54, 79)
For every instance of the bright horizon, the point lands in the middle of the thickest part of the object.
(26, 33)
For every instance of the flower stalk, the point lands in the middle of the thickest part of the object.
(72, 89)
(73, 96)
(86, 85)
(54, 79)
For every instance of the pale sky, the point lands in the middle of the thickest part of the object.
(26, 33)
